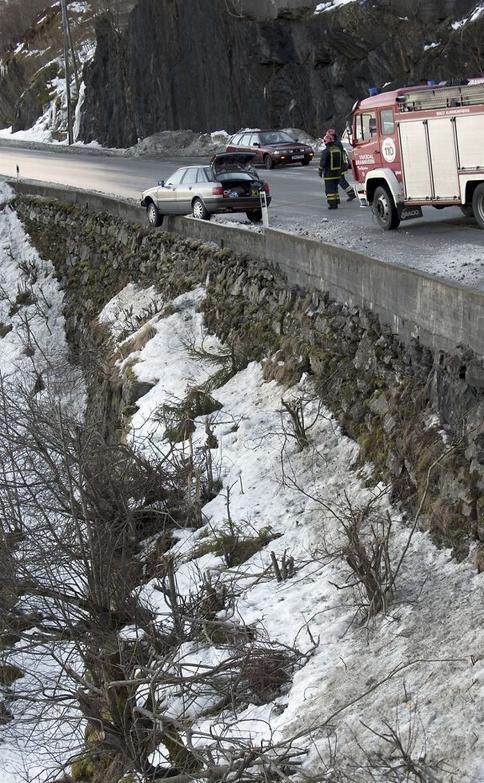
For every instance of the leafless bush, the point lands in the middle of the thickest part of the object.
(366, 551)
(395, 752)
(74, 510)
(296, 408)
(284, 569)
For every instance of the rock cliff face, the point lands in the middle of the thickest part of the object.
(206, 66)
(33, 59)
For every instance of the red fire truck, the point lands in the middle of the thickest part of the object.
(420, 146)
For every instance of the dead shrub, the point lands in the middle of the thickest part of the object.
(233, 544)
(24, 298)
(265, 670)
(180, 418)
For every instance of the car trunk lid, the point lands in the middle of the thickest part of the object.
(230, 161)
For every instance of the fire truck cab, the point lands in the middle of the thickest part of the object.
(420, 146)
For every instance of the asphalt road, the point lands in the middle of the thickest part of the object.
(444, 242)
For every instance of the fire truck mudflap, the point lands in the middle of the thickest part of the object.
(407, 212)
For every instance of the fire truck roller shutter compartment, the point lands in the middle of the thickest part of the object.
(470, 133)
(415, 158)
(443, 159)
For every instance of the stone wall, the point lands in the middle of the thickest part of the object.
(417, 418)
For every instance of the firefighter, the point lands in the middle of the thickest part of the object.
(333, 164)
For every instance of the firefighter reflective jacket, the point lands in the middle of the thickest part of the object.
(333, 161)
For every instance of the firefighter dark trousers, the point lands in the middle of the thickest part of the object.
(331, 188)
(344, 185)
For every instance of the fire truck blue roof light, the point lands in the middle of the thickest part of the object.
(373, 91)
(430, 83)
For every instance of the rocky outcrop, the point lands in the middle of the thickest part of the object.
(33, 100)
(206, 66)
(25, 66)
(21, 68)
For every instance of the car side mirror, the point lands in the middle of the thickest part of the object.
(297, 141)
(256, 144)
(161, 183)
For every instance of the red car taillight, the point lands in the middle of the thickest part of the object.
(266, 188)
(217, 191)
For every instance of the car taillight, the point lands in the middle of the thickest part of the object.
(217, 191)
(266, 188)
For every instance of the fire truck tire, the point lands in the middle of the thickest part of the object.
(478, 204)
(384, 209)
(467, 210)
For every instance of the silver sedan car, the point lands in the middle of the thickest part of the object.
(227, 184)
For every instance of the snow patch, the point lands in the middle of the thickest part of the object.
(330, 5)
(477, 12)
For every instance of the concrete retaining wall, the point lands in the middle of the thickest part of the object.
(443, 315)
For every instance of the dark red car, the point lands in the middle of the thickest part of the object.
(271, 147)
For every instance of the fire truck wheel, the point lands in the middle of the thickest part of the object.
(478, 204)
(467, 210)
(384, 209)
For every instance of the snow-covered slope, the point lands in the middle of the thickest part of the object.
(34, 364)
(395, 695)
(416, 671)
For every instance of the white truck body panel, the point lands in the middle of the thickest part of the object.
(444, 158)
(436, 151)
(470, 134)
(415, 160)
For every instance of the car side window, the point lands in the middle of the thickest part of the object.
(201, 175)
(190, 177)
(175, 178)
(387, 122)
(236, 139)
(244, 142)
(252, 139)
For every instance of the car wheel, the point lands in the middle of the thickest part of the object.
(254, 215)
(467, 210)
(478, 204)
(154, 217)
(268, 162)
(305, 163)
(199, 210)
(384, 209)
